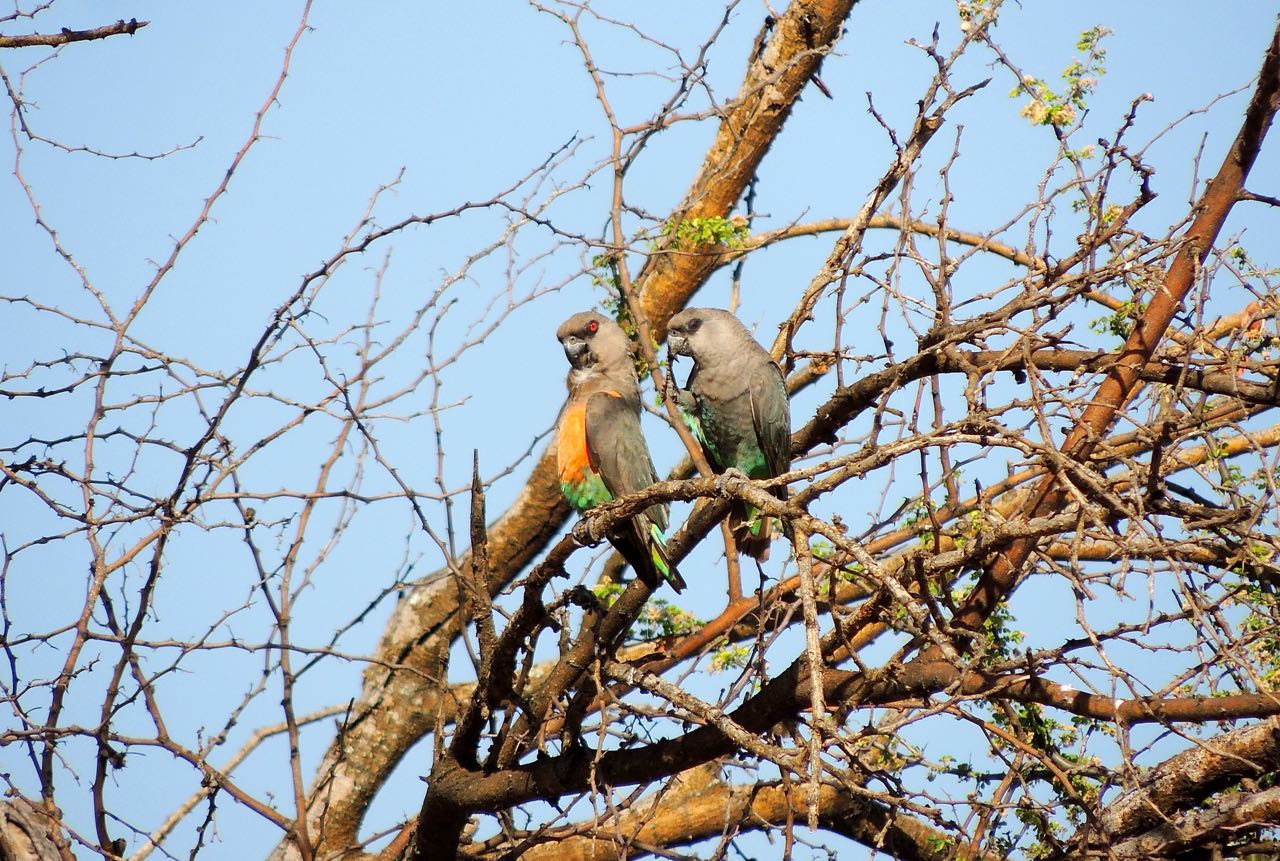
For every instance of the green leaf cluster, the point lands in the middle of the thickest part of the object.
(1049, 107)
(706, 231)
(1120, 323)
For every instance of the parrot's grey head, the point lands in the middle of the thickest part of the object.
(593, 342)
(706, 335)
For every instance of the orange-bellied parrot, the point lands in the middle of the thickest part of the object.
(735, 404)
(600, 451)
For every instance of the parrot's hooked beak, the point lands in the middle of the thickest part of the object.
(677, 344)
(577, 351)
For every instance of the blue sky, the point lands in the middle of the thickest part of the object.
(460, 100)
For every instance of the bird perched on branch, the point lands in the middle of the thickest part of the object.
(735, 404)
(600, 451)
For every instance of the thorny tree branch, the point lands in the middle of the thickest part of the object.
(66, 37)
(1212, 210)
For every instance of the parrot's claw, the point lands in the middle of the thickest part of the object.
(730, 474)
(583, 534)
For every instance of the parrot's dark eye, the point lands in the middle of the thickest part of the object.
(593, 326)
(693, 325)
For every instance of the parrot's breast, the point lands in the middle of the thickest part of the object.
(579, 482)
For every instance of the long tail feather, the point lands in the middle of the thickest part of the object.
(646, 553)
(752, 532)
(662, 562)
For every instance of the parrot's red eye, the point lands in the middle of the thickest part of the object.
(593, 326)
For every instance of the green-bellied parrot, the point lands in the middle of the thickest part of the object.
(735, 404)
(601, 453)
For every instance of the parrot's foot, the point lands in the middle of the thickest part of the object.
(730, 474)
(584, 535)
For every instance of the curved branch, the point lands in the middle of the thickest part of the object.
(881, 222)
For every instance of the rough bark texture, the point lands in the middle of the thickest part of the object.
(1224, 817)
(1184, 780)
(700, 806)
(27, 833)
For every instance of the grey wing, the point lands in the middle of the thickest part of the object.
(618, 451)
(771, 416)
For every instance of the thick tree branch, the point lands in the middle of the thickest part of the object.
(1188, 778)
(778, 73)
(698, 807)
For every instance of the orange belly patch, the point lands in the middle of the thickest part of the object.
(572, 458)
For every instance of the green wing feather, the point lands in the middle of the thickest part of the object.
(771, 418)
(618, 453)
